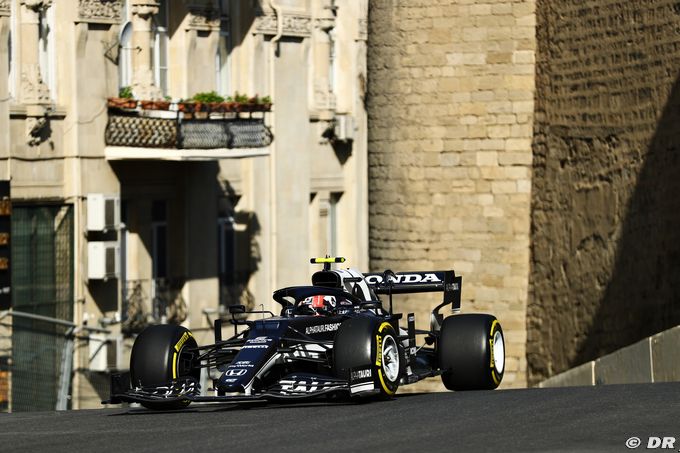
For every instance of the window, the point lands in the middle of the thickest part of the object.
(222, 57)
(160, 47)
(46, 40)
(42, 258)
(125, 56)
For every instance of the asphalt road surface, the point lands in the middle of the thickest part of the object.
(576, 419)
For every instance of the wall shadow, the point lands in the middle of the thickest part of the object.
(605, 247)
(643, 294)
(241, 236)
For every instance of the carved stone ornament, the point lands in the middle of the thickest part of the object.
(34, 129)
(33, 89)
(145, 8)
(5, 7)
(204, 18)
(100, 11)
(293, 25)
(37, 5)
(325, 23)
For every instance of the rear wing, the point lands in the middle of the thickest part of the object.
(389, 283)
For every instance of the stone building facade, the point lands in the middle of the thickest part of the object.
(451, 115)
(200, 227)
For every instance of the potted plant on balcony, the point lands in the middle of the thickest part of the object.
(210, 101)
(229, 105)
(186, 106)
(156, 104)
(241, 101)
(264, 104)
(125, 99)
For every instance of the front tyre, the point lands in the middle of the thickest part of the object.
(471, 352)
(162, 354)
(363, 344)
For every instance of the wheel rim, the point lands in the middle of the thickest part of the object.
(498, 351)
(390, 362)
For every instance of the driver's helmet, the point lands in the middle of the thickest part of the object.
(320, 303)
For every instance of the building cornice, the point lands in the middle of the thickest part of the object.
(203, 18)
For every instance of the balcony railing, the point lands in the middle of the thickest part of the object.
(176, 130)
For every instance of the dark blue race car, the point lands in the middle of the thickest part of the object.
(333, 338)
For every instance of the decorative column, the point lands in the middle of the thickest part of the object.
(324, 22)
(143, 84)
(33, 89)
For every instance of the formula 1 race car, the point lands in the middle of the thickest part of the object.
(332, 338)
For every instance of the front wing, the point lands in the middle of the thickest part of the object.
(291, 388)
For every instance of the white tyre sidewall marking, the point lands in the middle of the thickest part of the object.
(392, 373)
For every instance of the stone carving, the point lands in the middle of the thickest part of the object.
(293, 25)
(4, 7)
(33, 89)
(36, 126)
(145, 8)
(37, 5)
(204, 18)
(325, 24)
(103, 11)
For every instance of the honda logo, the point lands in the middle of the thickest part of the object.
(236, 372)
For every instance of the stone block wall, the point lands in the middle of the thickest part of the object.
(606, 178)
(451, 106)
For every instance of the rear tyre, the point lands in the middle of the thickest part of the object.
(471, 351)
(161, 354)
(369, 348)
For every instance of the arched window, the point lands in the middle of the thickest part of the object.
(125, 56)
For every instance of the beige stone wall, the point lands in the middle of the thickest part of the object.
(451, 102)
(605, 254)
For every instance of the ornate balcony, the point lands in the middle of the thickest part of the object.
(178, 134)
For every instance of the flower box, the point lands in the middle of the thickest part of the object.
(155, 105)
(121, 103)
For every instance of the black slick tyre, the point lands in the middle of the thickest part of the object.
(161, 354)
(366, 352)
(471, 351)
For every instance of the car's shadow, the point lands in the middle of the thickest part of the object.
(259, 405)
